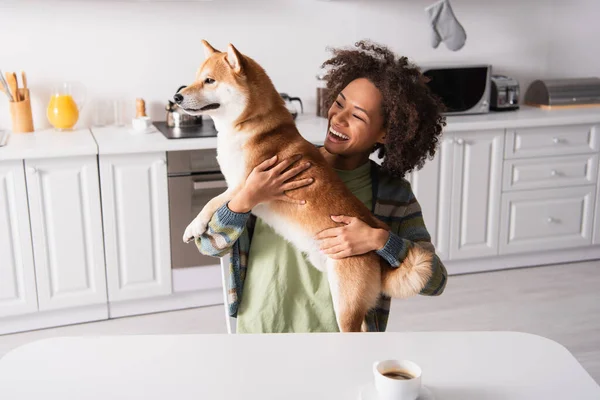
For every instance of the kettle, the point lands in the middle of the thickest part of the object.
(288, 104)
(177, 118)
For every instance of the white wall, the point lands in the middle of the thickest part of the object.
(146, 49)
(575, 44)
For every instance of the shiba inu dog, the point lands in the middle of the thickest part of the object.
(253, 125)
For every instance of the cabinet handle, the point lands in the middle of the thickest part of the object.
(32, 170)
(210, 185)
(460, 141)
(554, 173)
(557, 140)
(551, 220)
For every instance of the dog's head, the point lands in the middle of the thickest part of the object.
(220, 88)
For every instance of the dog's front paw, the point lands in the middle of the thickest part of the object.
(195, 229)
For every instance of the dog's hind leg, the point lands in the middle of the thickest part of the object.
(355, 288)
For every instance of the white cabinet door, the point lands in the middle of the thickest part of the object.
(136, 225)
(537, 220)
(66, 226)
(17, 275)
(476, 191)
(432, 186)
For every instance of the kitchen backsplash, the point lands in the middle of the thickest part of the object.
(148, 49)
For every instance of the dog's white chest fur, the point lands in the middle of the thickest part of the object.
(230, 155)
(232, 160)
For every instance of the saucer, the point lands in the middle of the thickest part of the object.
(368, 392)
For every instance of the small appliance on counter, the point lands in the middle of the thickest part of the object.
(464, 89)
(181, 125)
(290, 106)
(564, 93)
(177, 118)
(505, 93)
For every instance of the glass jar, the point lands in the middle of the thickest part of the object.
(322, 94)
(65, 104)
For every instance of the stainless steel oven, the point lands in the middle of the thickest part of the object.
(194, 179)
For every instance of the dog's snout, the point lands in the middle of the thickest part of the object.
(178, 98)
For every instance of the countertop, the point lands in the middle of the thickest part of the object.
(525, 117)
(49, 144)
(113, 140)
(121, 140)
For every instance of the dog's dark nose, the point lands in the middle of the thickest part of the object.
(178, 98)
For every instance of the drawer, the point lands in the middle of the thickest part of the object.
(546, 219)
(551, 141)
(555, 172)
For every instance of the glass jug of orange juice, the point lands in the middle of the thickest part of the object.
(65, 104)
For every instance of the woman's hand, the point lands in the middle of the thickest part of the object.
(268, 182)
(354, 238)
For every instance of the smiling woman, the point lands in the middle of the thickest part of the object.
(379, 103)
(355, 124)
(396, 100)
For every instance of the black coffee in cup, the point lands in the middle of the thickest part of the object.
(398, 374)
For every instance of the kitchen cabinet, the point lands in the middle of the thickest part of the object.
(476, 194)
(66, 227)
(17, 275)
(432, 186)
(136, 225)
(459, 192)
(538, 220)
(552, 140)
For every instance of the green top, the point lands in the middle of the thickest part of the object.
(283, 292)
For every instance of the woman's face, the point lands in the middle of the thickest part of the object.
(355, 120)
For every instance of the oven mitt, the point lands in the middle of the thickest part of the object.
(445, 27)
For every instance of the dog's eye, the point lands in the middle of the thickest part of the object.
(209, 81)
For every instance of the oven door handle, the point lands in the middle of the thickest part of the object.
(210, 184)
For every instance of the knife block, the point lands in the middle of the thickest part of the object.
(20, 113)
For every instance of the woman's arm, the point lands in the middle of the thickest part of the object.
(411, 231)
(267, 182)
(356, 237)
(224, 229)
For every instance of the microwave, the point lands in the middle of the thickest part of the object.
(464, 89)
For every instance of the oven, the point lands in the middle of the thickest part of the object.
(194, 178)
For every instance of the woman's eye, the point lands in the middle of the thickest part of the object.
(209, 81)
(357, 117)
(338, 104)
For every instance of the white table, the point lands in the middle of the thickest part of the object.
(459, 365)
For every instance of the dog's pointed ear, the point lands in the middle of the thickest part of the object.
(208, 49)
(234, 58)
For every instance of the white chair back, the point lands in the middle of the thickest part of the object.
(225, 277)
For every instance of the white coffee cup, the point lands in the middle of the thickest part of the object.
(389, 388)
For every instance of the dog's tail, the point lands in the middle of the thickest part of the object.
(410, 277)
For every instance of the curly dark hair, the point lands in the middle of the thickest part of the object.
(412, 114)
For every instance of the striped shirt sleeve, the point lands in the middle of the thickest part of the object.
(411, 231)
(223, 230)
